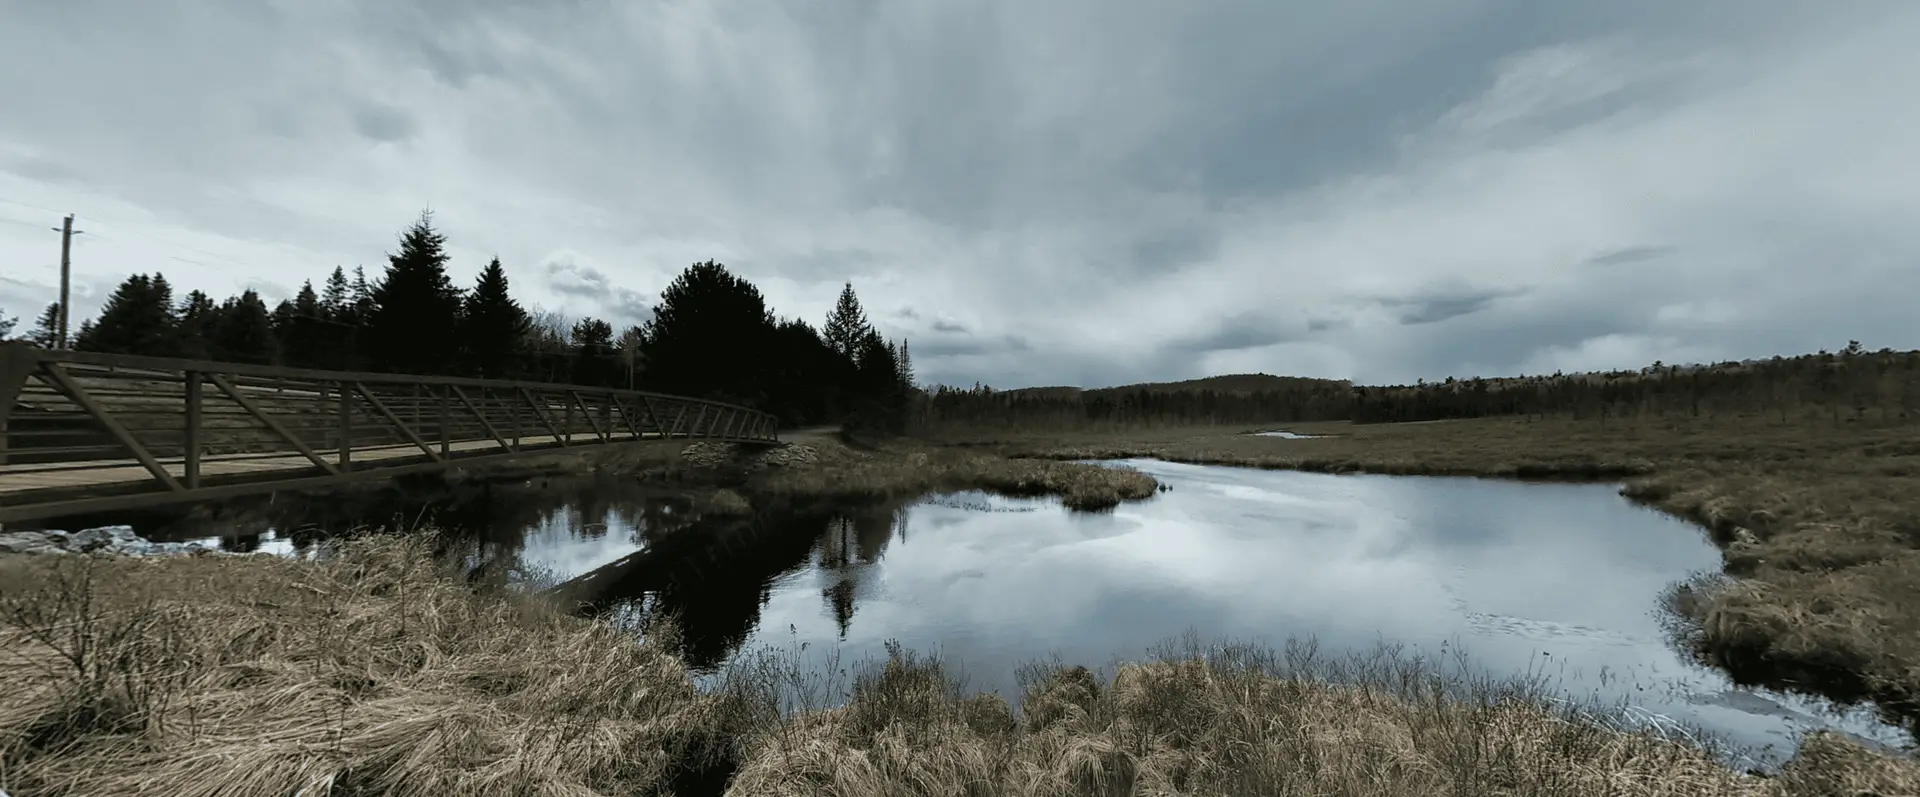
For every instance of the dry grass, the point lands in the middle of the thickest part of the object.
(365, 672)
(900, 469)
(1820, 523)
(1243, 720)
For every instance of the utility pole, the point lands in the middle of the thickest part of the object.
(67, 232)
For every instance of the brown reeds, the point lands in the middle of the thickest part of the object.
(364, 671)
(1245, 720)
(897, 470)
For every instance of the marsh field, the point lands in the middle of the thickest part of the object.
(376, 665)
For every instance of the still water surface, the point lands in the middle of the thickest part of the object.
(1557, 580)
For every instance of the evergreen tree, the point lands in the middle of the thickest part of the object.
(7, 324)
(335, 296)
(360, 295)
(243, 331)
(282, 317)
(137, 319)
(593, 362)
(847, 325)
(709, 336)
(877, 394)
(906, 367)
(414, 324)
(807, 377)
(306, 302)
(494, 328)
(197, 315)
(46, 329)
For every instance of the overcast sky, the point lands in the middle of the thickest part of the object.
(1030, 191)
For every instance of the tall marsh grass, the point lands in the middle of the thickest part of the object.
(367, 670)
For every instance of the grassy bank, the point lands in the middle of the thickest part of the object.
(1819, 523)
(835, 471)
(366, 672)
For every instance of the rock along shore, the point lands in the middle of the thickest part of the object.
(109, 540)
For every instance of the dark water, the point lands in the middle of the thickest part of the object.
(1560, 581)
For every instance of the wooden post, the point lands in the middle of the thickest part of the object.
(191, 474)
(513, 413)
(566, 424)
(446, 434)
(346, 427)
(17, 361)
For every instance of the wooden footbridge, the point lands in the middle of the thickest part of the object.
(85, 432)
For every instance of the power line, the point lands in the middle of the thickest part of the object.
(124, 227)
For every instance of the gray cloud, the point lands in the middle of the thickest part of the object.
(967, 345)
(1629, 254)
(572, 279)
(1078, 192)
(1444, 306)
(383, 123)
(1242, 331)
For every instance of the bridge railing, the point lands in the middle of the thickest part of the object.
(66, 410)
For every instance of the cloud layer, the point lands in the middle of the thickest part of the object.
(1074, 192)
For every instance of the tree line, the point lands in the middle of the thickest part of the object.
(1850, 385)
(1134, 406)
(712, 335)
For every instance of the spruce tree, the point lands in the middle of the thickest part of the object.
(335, 299)
(306, 302)
(137, 319)
(593, 362)
(709, 336)
(876, 390)
(197, 316)
(46, 328)
(414, 324)
(493, 331)
(282, 316)
(7, 324)
(243, 331)
(360, 295)
(906, 366)
(847, 325)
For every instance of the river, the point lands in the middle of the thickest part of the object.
(1557, 581)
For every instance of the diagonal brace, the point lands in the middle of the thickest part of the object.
(65, 383)
(261, 415)
(381, 407)
(588, 411)
(540, 414)
(482, 417)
